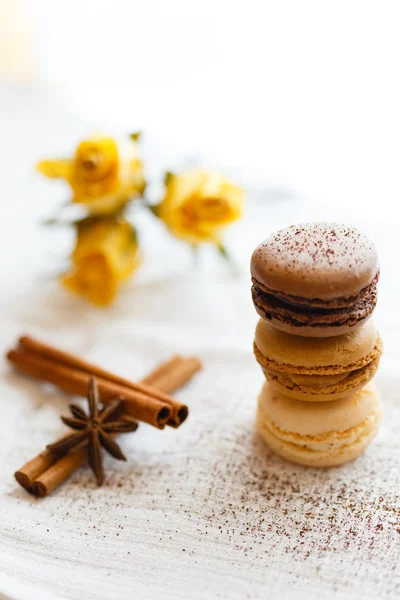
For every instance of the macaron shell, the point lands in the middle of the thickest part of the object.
(310, 331)
(288, 353)
(306, 419)
(322, 388)
(319, 435)
(311, 458)
(316, 260)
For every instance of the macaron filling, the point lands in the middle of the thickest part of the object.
(340, 302)
(271, 307)
(314, 387)
(333, 444)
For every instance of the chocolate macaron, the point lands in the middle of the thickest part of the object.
(316, 279)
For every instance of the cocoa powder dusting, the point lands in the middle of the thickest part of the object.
(214, 500)
(313, 247)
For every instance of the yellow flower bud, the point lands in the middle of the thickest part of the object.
(103, 174)
(198, 204)
(106, 253)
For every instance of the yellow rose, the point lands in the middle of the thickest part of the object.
(103, 174)
(106, 253)
(198, 204)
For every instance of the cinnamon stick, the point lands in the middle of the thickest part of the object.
(141, 406)
(51, 478)
(179, 411)
(45, 472)
(182, 371)
(165, 368)
(35, 467)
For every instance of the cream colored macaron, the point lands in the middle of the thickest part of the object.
(323, 434)
(316, 370)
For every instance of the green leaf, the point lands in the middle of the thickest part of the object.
(195, 254)
(226, 256)
(135, 136)
(143, 189)
(50, 222)
(224, 253)
(55, 220)
(154, 208)
(134, 234)
(59, 223)
(169, 175)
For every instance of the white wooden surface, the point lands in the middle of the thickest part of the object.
(205, 511)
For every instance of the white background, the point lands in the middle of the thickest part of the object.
(304, 93)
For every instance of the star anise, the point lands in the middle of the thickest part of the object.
(97, 428)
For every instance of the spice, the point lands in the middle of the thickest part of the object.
(46, 471)
(30, 345)
(71, 374)
(97, 428)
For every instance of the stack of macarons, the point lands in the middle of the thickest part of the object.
(314, 287)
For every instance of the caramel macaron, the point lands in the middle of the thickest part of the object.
(321, 369)
(319, 435)
(316, 279)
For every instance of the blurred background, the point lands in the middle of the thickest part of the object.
(296, 101)
(303, 95)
